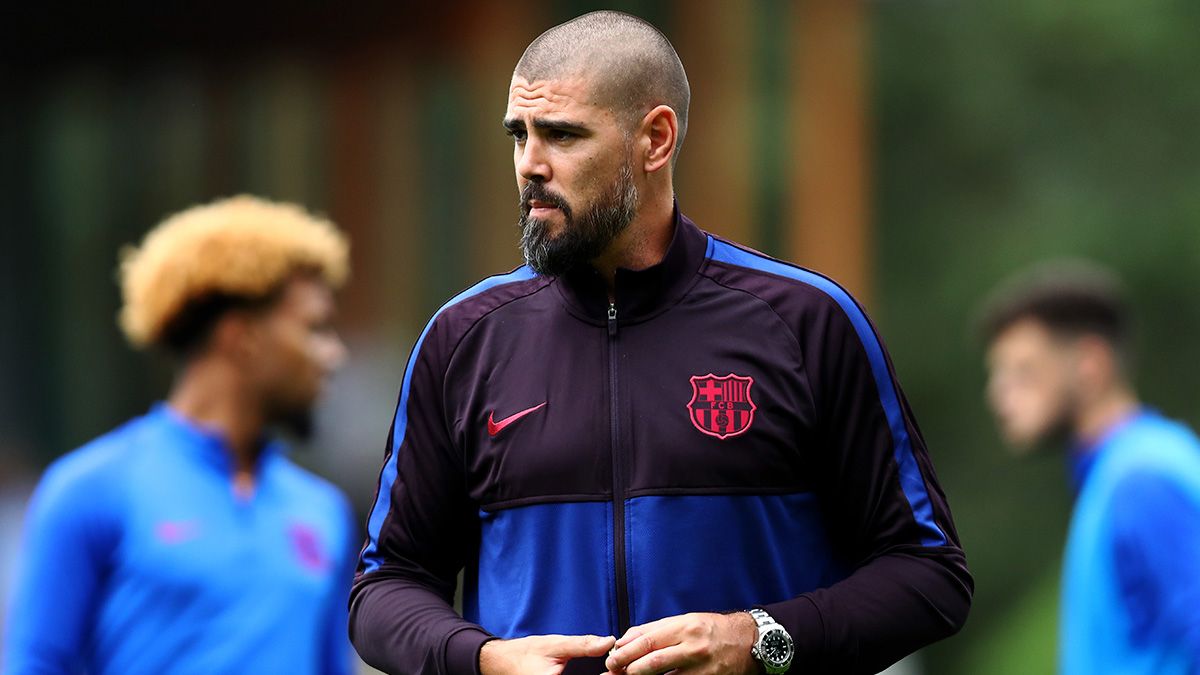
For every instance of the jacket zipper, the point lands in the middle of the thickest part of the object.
(618, 478)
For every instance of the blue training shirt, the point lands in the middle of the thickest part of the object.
(1131, 592)
(139, 558)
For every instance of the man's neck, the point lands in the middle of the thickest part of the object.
(1104, 413)
(643, 244)
(209, 395)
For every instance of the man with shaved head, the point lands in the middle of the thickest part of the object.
(649, 449)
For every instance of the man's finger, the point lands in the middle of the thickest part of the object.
(630, 635)
(578, 646)
(639, 646)
(663, 660)
(637, 631)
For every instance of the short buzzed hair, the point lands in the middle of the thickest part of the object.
(631, 63)
(1071, 298)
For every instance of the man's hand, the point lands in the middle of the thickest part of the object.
(539, 654)
(691, 644)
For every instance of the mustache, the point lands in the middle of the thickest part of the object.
(539, 192)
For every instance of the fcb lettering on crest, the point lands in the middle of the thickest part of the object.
(721, 406)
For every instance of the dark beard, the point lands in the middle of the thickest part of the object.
(1061, 431)
(582, 240)
(298, 423)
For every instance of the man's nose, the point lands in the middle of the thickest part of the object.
(532, 164)
(335, 353)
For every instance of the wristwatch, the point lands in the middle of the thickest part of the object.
(774, 648)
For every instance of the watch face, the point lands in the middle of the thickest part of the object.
(776, 648)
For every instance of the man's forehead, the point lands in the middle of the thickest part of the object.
(304, 290)
(548, 95)
(1028, 335)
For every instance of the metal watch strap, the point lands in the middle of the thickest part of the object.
(760, 617)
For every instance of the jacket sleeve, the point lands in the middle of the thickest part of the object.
(908, 583)
(70, 533)
(418, 534)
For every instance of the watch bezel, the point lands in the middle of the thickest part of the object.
(764, 655)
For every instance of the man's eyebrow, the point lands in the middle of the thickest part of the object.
(552, 124)
(560, 125)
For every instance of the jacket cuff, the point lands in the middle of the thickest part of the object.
(802, 620)
(462, 651)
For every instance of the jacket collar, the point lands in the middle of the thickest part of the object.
(640, 294)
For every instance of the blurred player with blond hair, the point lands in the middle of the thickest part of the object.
(185, 541)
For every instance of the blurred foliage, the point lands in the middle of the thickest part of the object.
(1024, 639)
(1010, 132)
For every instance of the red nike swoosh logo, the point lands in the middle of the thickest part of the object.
(496, 427)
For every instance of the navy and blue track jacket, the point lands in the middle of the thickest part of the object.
(727, 433)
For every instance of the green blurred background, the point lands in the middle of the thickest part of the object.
(919, 150)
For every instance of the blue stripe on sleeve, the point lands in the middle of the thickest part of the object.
(383, 501)
(911, 480)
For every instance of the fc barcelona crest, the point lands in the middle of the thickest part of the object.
(721, 406)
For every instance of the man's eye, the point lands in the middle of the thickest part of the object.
(516, 134)
(559, 135)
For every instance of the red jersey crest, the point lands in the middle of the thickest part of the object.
(721, 406)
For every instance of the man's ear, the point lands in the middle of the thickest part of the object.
(1097, 360)
(659, 131)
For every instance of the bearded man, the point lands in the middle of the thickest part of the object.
(649, 449)
(1059, 359)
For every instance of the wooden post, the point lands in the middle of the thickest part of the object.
(829, 199)
(716, 170)
(494, 37)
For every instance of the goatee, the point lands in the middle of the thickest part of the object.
(300, 423)
(582, 239)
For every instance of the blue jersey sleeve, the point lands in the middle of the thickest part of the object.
(70, 534)
(1156, 555)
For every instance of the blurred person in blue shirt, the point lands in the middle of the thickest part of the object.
(1059, 374)
(185, 541)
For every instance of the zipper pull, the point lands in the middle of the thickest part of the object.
(612, 319)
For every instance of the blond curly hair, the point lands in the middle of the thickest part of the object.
(242, 247)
